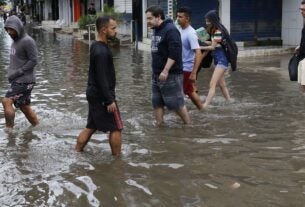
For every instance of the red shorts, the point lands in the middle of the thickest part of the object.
(188, 85)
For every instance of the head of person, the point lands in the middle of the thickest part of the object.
(154, 16)
(302, 8)
(106, 26)
(14, 27)
(92, 5)
(212, 20)
(12, 12)
(184, 16)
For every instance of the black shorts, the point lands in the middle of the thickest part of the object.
(99, 118)
(20, 93)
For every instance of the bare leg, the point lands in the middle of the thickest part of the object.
(223, 88)
(9, 112)
(218, 73)
(159, 113)
(115, 142)
(183, 113)
(196, 100)
(29, 114)
(83, 139)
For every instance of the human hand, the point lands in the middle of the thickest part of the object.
(163, 76)
(111, 107)
(13, 76)
(297, 49)
(193, 77)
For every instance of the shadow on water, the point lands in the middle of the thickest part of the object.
(256, 141)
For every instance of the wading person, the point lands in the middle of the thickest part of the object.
(21, 73)
(167, 74)
(216, 30)
(191, 55)
(103, 112)
(300, 50)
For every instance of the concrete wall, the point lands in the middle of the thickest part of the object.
(65, 12)
(224, 13)
(123, 6)
(292, 22)
(47, 10)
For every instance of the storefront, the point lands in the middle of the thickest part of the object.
(199, 9)
(253, 20)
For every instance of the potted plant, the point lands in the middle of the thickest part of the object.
(86, 20)
(83, 23)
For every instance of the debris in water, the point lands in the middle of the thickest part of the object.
(235, 185)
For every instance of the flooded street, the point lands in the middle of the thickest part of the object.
(256, 141)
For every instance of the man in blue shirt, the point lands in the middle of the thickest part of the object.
(191, 55)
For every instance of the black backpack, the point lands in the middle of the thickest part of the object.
(231, 50)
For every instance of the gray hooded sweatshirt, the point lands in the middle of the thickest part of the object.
(23, 54)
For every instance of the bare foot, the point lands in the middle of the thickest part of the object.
(230, 100)
(204, 107)
(158, 124)
(8, 129)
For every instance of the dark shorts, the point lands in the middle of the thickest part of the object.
(20, 93)
(168, 93)
(99, 118)
(188, 85)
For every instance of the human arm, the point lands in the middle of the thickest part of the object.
(207, 42)
(212, 46)
(198, 59)
(216, 39)
(194, 45)
(174, 52)
(164, 74)
(297, 49)
(104, 78)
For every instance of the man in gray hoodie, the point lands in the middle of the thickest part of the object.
(20, 73)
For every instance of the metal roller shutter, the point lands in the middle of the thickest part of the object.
(160, 3)
(199, 9)
(256, 19)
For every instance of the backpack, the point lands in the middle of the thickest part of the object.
(231, 50)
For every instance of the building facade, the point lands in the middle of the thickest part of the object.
(292, 22)
(247, 20)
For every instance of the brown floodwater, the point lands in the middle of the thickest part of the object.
(257, 141)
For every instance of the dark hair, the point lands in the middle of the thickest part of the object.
(303, 2)
(102, 21)
(156, 11)
(187, 11)
(213, 17)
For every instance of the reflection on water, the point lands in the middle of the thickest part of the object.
(256, 141)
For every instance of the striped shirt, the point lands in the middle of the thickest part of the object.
(217, 37)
